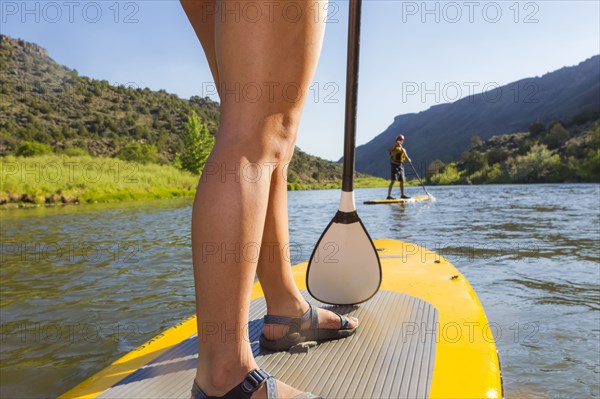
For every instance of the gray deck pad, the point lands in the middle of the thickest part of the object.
(392, 355)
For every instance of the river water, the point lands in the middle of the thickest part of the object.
(82, 285)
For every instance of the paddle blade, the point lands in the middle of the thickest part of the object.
(344, 268)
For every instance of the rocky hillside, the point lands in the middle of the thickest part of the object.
(43, 101)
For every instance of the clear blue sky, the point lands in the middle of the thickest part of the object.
(444, 48)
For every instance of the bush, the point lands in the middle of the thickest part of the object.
(538, 165)
(140, 153)
(450, 175)
(536, 128)
(556, 137)
(590, 166)
(75, 152)
(472, 161)
(433, 169)
(32, 148)
(496, 155)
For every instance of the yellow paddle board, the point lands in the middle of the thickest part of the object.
(424, 334)
(398, 200)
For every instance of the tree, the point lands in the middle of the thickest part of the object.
(433, 169)
(472, 161)
(450, 175)
(496, 155)
(32, 148)
(538, 165)
(476, 141)
(536, 128)
(556, 137)
(140, 153)
(197, 144)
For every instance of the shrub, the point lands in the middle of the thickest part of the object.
(32, 148)
(140, 153)
(536, 128)
(556, 137)
(75, 152)
(434, 168)
(450, 175)
(538, 165)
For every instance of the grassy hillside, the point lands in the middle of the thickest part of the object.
(51, 115)
(43, 101)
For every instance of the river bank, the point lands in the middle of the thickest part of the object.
(55, 180)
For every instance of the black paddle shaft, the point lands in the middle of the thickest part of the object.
(351, 94)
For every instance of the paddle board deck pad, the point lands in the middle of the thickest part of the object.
(398, 200)
(424, 334)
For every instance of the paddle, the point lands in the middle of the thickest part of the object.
(416, 174)
(344, 267)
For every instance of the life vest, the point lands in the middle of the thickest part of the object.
(397, 154)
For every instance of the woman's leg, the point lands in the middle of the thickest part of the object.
(201, 14)
(281, 294)
(230, 208)
(274, 270)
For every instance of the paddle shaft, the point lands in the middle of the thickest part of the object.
(351, 94)
(416, 174)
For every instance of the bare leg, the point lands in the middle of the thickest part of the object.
(274, 270)
(201, 14)
(230, 209)
(281, 294)
(390, 188)
(401, 187)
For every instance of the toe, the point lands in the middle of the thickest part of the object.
(329, 319)
(352, 322)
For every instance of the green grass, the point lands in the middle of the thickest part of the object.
(371, 182)
(55, 179)
(61, 179)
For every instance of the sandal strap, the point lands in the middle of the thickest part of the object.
(307, 395)
(295, 322)
(345, 323)
(314, 322)
(269, 319)
(252, 382)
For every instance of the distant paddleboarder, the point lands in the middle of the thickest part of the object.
(397, 157)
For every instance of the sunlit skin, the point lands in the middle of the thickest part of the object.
(231, 209)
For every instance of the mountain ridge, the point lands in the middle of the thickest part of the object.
(443, 131)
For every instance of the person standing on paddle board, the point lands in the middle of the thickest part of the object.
(239, 215)
(397, 157)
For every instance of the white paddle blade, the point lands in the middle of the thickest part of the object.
(344, 268)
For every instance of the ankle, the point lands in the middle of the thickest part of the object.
(217, 381)
(292, 307)
(222, 367)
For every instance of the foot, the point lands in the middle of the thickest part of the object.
(283, 390)
(405, 196)
(390, 197)
(326, 320)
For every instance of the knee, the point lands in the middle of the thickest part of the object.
(264, 139)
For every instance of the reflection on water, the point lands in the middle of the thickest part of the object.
(82, 285)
